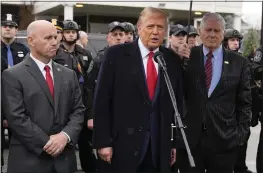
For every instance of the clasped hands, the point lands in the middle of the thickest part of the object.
(56, 144)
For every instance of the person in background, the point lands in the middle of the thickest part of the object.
(12, 53)
(177, 37)
(232, 40)
(59, 25)
(83, 39)
(193, 35)
(129, 32)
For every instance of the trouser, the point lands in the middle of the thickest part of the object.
(240, 165)
(206, 159)
(87, 158)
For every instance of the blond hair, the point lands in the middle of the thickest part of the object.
(151, 10)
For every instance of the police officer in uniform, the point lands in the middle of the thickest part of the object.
(59, 25)
(12, 53)
(129, 30)
(116, 35)
(232, 41)
(193, 35)
(73, 56)
(177, 37)
(257, 101)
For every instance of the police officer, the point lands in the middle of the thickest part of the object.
(232, 40)
(75, 57)
(192, 39)
(12, 53)
(116, 35)
(257, 101)
(59, 25)
(129, 30)
(177, 36)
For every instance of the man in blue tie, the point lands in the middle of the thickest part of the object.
(12, 53)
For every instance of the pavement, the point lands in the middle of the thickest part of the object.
(251, 151)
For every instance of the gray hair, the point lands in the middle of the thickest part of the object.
(214, 17)
(82, 34)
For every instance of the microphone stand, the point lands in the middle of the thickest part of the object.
(177, 117)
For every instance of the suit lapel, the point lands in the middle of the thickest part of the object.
(34, 70)
(225, 66)
(139, 73)
(57, 83)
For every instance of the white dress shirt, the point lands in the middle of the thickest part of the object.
(41, 67)
(144, 52)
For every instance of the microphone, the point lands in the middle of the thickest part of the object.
(158, 58)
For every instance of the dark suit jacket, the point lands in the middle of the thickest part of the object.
(33, 116)
(227, 111)
(122, 107)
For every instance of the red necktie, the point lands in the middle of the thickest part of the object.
(49, 80)
(151, 75)
(208, 69)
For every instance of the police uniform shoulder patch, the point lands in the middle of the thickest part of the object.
(257, 56)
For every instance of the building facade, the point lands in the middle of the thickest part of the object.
(95, 16)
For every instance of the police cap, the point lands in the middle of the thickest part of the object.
(128, 27)
(192, 31)
(9, 20)
(114, 25)
(58, 24)
(176, 29)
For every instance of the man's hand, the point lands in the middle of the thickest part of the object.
(5, 124)
(90, 124)
(173, 156)
(56, 144)
(184, 50)
(105, 154)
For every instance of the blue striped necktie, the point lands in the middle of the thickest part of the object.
(9, 57)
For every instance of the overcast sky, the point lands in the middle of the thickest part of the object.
(252, 13)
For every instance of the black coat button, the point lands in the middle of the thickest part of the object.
(136, 153)
(140, 129)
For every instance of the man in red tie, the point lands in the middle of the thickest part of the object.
(217, 101)
(43, 106)
(132, 108)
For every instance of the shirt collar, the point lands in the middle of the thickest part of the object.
(216, 52)
(40, 64)
(144, 51)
